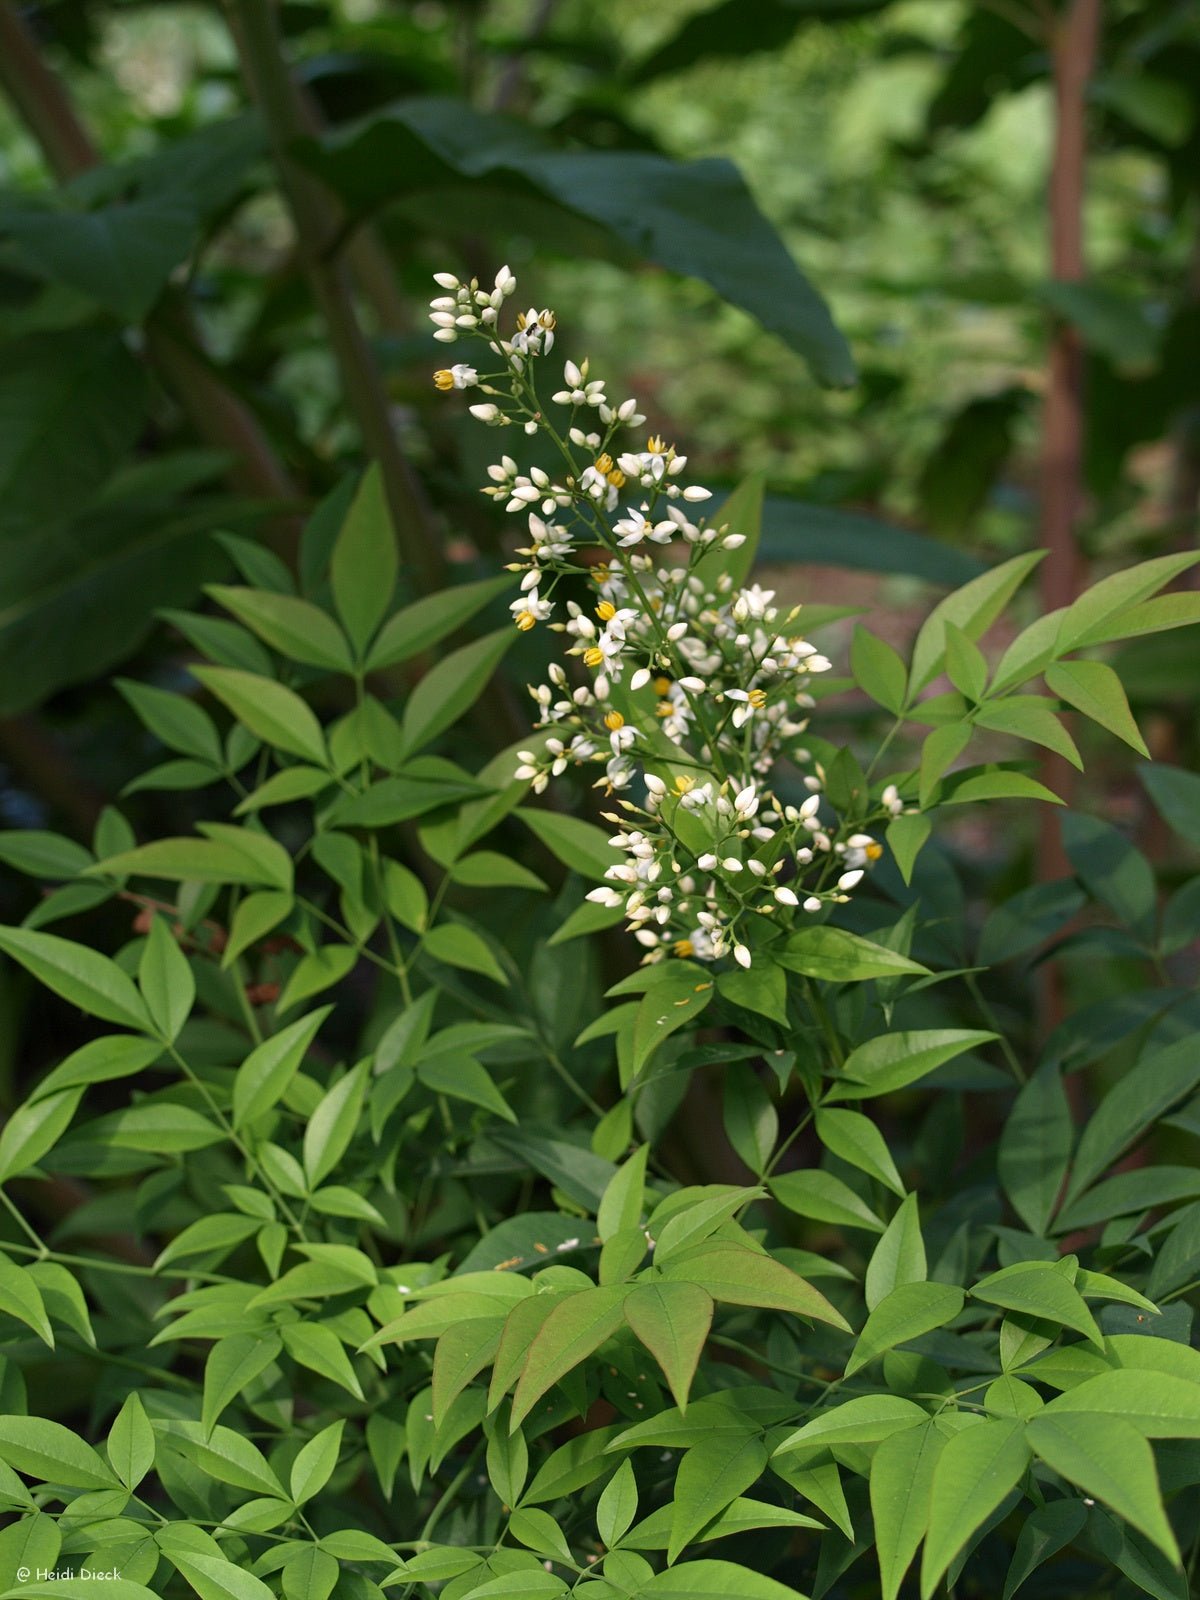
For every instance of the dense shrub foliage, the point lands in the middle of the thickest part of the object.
(391, 1259)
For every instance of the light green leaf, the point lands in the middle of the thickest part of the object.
(292, 783)
(116, 1055)
(428, 621)
(824, 1198)
(160, 1126)
(461, 1354)
(902, 1471)
(332, 1125)
(910, 1310)
(672, 1320)
(81, 976)
(762, 988)
(462, 947)
(317, 1347)
(1029, 717)
(189, 861)
(1109, 1459)
(232, 1364)
(975, 1471)
(253, 919)
(899, 1257)
(50, 1453)
(864, 1420)
(271, 712)
(176, 721)
(973, 608)
(313, 1467)
(711, 1475)
(294, 627)
(1039, 1289)
(842, 957)
(452, 687)
(858, 1141)
(34, 1129)
(131, 1443)
(21, 1298)
(906, 835)
(316, 972)
(715, 1580)
(264, 1076)
(214, 1578)
(893, 1060)
(1108, 600)
(622, 1203)
(1094, 688)
(464, 1078)
(575, 1328)
(878, 670)
(739, 1276)
(580, 845)
(1160, 1405)
(364, 564)
(617, 1506)
(166, 980)
(42, 854)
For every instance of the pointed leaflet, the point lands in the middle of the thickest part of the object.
(313, 1467)
(715, 1580)
(825, 1198)
(270, 711)
(672, 1320)
(47, 1451)
(621, 1204)
(81, 976)
(841, 957)
(296, 628)
(974, 1473)
(1039, 1289)
(901, 1479)
(452, 687)
(857, 1140)
(894, 1060)
(263, 1078)
(1109, 1459)
(364, 565)
(232, 1364)
(618, 1505)
(332, 1125)
(973, 608)
(711, 1475)
(910, 1310)
(317, 1347)
(1035, 1145)
(461, 1354)
(1160, 1405)
(417, 627)
(166, 980)
(34, 1129)
(1094, 688)
(131, 1443)
(864, 1420)
(739, 1276)
(572, 1331)
(21, 1298)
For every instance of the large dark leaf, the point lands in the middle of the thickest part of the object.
(80, 596)
(745, 27)
(120, 256)
(71, 404)
(796, 530)
(695, 217)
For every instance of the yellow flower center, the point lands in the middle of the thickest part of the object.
(757, 698)
(873, 851)
(683, 783)
(616, 477)
(526, 620)
(613, 721)
(606, 611)
(684, 948)
(655, 445)
(662, 685)
(443, 379)
(593, 657)
(604, 464)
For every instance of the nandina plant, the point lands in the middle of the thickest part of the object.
(359, 1244)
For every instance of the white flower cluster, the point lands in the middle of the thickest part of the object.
(691, 690)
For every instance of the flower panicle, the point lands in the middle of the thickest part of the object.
(688, 688)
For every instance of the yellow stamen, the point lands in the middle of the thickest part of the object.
(664, 709)
(616, 477)
(548, 320)
(873, 851)
(684, 947)
(593, 657)
(655, 445)
(604, 464)
(606, 611)
(526, 620)
(662, 685)
(613, 721)
(600, 572)
(757, 698)
(520, 321)
(443, 379)
(683, 783)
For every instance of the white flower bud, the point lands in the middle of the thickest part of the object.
(849, 880)
(734, 541)
(446, 336)
(655, 784)
(446, 280)
(707, 862)
(732, 864)
(741, 955)
(677, 630)
(486, 412)
(786, 897)
(692, 685)
(812, 903)
(640, 679)
(694, 491)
